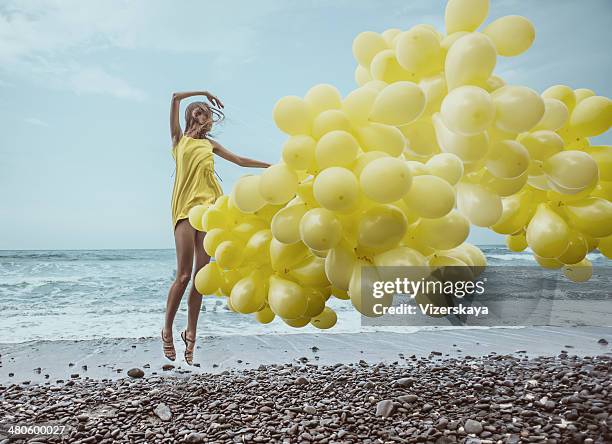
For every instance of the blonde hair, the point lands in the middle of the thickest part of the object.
(196, 129)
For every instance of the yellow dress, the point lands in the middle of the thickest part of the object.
(194, 182)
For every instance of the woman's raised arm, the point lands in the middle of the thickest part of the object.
(175, 126)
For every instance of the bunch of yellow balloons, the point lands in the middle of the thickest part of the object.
(395, 172)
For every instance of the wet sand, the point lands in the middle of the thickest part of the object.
(112, 358)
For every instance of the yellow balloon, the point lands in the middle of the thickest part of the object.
(248, 294)
(418, 50)
(512, 34)
(339, 265)
(244, 230)
(340, 294)
(258, 246)
(385, 67)
(298, 152)
(265, 315)
(571, 171)
(547, 233)
(583, 93)
(336, 148)
(310, 272)
(494, 83)
(320, 229)
(467, 110)
(381, 227)
(376, 85)
(213, 238)
(592, 116)
(208, 279)
(330, 120)
(516, 212)
(516, 242)
(386, 179)
(467, 148)
(577, 249)
(518, 108)
(580, 272)
(389, 35)
(504, 187)
(297, 323)
(278, 184)
(551, 264)
(430, 196)
(420, 138)
(286, 223)
(365, 158)
(362, 295)
(443, 233)
(284, 256)
(362, 75)
(336, 189)
(413, 263)
(326, 320)
(507, 159)
(470, 61)
(322, 97)
(417, 168)
(555, 115)
(380, 137)
(229, 254)
(398, 104)
(195, 216)
(603, 156)
(541, 144)
(465, 15)
(245, 194)
(447, 166)
(563, 93)
(358, 104)
(591, 216)
(435, 90)
(482, 207)
(292, 116)
(286, 298)
(366, 45)
(316, 302)
(605, 246)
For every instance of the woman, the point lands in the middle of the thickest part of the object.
(194, 184)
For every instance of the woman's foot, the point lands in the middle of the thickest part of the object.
(189, 346)
(169, 351)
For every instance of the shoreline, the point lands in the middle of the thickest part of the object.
(54, 362)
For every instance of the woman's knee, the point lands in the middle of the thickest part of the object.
(182, 279)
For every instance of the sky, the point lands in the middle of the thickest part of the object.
(85, 87)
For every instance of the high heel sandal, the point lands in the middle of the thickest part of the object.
(188, 352)
(169, 351)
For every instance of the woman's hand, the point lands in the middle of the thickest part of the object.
(214, 100)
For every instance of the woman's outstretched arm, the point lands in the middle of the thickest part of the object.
(220, 150)
(175, 126)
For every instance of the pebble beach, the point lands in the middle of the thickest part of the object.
(461, 385)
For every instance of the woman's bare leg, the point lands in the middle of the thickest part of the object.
(195, 299)
(184, 235)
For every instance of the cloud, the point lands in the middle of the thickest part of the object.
(54, 41)
(37, 122)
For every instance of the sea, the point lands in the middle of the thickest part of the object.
(93, 294)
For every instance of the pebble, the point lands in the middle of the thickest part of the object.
(163, 412)
(384, 408)
(135, 373)
(472, 426)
